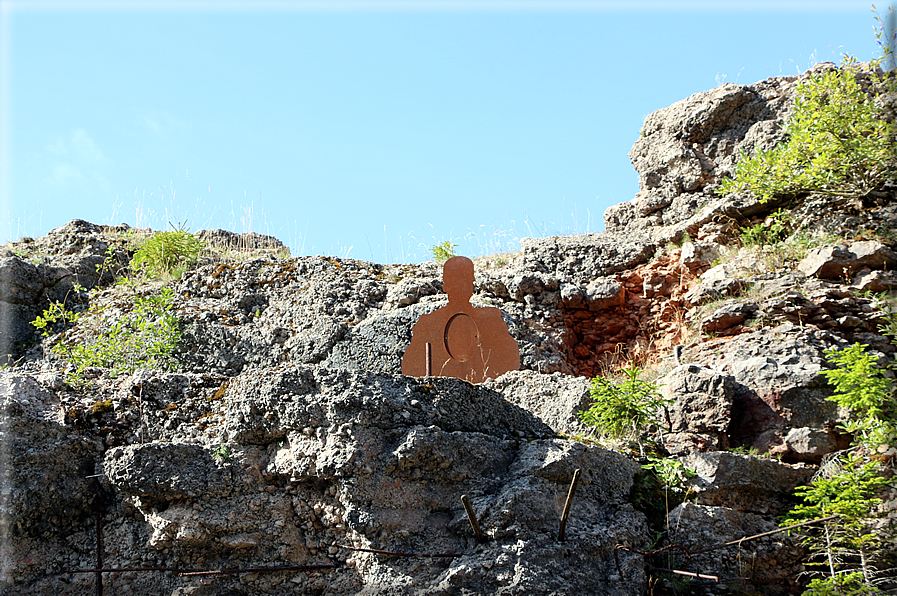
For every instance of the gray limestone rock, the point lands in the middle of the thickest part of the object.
(556, 398)
(584, 257)
(728, 316)
(743, 482)
(770, 564)
(686, 148)
(875, 281)
(697, 255)
(809, 444)
(379, 342)
(409, 291)
(167, 471)
(701, 411)
(604, 292)
(839, 262)
(778, 371)
(291, 437)
(46, 465)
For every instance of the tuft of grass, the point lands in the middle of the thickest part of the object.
(168, 254)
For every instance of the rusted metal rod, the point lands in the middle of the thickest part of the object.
(472, 518)
(687, 573)
(125, 570)
(567, 504)
(716, 546)
(188, 573)
(755, 536)
(256, 570)
(395, 554)
(99, 574)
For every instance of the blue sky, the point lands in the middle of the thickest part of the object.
(370, 129)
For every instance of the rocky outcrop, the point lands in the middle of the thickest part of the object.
(288, 436)
(307, 465)
(700, 409)
(686, 149)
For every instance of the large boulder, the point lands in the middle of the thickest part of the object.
(778, 372)
(701, 408)
(744, 483)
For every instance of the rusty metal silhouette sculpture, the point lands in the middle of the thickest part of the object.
(459, 340)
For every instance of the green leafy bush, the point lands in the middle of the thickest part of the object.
(168, 253)
(443, 251)
(625, 409)
(837, 144)
(56, 313)
(145, 337)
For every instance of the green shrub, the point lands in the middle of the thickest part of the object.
(145, 337)
(168, 253)
(860, 385)
(775, 229)
(625, 409)
(837, 144)
(443, 251)
(843, 584)
(56, 313)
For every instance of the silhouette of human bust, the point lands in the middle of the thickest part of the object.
(465, 342)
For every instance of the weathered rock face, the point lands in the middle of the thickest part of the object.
(772, 563)
(701, 411)
(779, 384)
(322, 461)
(336, 312)
(79, 254)
(687, 148)
(288, 436)
(744, 483)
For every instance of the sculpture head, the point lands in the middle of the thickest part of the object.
(457, 279)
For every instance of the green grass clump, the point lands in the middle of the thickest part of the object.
(168, 253)
(775, 229)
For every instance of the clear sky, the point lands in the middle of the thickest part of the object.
(373, 129)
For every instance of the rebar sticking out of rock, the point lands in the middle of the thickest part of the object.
(471, 516)
(99, 574)
(567, 504)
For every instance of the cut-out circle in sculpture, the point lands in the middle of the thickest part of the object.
(461, 337)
